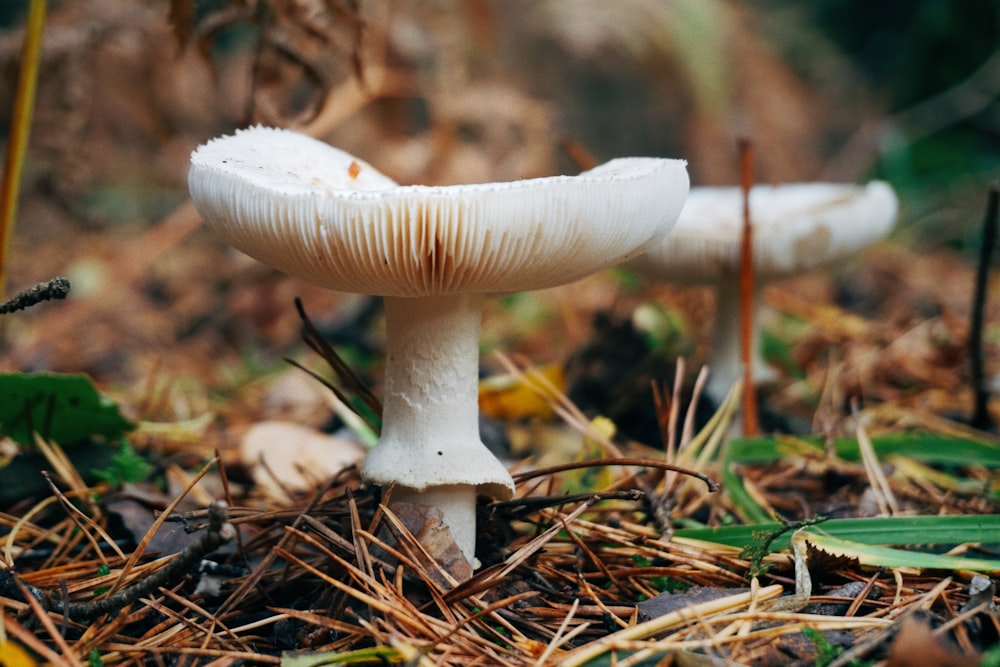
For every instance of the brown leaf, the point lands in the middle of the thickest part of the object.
(822, 563)
(286, 457)
(915, 644)
(426, 525)
(136, 517)
(666, 603)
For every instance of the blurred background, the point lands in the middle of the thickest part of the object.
(449, 91)
(477, 90)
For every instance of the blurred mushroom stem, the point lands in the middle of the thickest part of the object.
(430, 442)
(725, 362)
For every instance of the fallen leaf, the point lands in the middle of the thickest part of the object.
(13, 654)
(288, 457)
(915, 644)
(61, 407)
(506, 397)
(427, 526)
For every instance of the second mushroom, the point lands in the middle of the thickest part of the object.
(434, 253)
(797, 227)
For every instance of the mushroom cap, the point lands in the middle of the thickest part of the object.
(796, 227)
(322, 215)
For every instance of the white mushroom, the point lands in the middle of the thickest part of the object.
(796, 228)
(322, 215)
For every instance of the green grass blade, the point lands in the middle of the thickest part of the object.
(927, 448)
(377, 655)
(890, 531)
(877, 556)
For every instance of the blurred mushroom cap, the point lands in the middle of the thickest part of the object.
(796, 227)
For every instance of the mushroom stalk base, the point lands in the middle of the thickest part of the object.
(457, 503)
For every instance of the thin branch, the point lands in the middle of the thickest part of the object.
(980, 413)
(646, 463)
(529, 505)
(218, 532)
(751, 426)
(57, 288)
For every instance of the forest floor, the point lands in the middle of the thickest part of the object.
(862, 527)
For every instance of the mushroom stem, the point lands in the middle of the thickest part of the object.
(725, 362)
(457, 504)
(432, 370)
(430, 441)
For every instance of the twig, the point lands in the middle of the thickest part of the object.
(57, 288)
(154, 527)
(218, 532)
(646, 463)
(667, 407)
(980, 413)
(50, 628)
(751, 426)
(529, 505)
(760, 545)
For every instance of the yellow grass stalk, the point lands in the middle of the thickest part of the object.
(660, 624)
(20, 127)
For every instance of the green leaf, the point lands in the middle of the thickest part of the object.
(653, 657)
(64, 408)
(871, 541)
(991, 658)
(883, 531)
